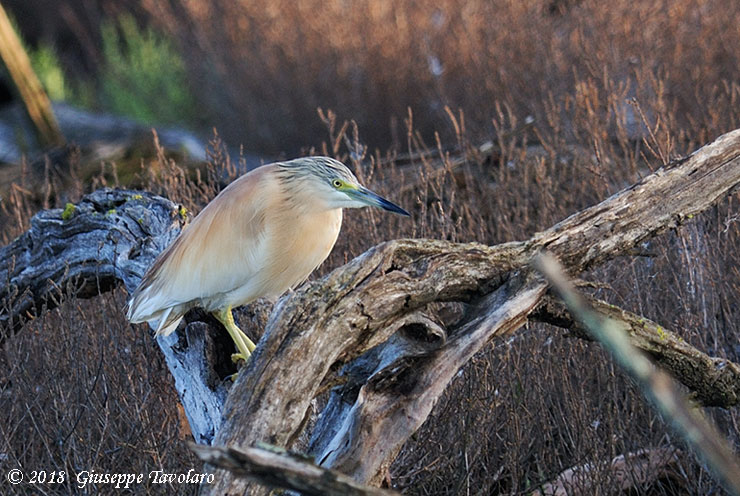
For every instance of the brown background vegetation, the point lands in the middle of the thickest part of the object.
(610, 94)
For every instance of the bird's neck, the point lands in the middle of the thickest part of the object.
(304, 203)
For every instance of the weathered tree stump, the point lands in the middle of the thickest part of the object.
(400, 320)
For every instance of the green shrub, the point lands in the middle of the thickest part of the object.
(143, 76)
(45, 63)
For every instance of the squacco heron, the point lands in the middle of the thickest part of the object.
(262, 235)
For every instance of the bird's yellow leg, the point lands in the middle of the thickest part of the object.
(244, 345)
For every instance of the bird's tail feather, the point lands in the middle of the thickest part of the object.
(163, 321)
(166, 325)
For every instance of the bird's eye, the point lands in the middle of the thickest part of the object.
(336, 183)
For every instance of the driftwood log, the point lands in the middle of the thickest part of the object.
(279, 468)
(631, 472)
(110, 237)
(397, 322)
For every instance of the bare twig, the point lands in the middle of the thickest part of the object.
(388, 299)
(34, 97)
(658, 386)
(712, 381)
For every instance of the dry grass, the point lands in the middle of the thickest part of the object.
(614, 93)
(83, 390)
(264, 67)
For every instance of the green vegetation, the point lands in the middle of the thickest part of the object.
(572, 101)
(60, 88)
(143, 76)
(69, 211)
(45, 62)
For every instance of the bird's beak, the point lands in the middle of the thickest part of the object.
(367, 197)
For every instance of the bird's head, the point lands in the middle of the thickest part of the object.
(332, 182)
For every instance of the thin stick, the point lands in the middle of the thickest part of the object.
(34, 97)
(659, 387)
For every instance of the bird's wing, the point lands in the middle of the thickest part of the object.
(220, 250)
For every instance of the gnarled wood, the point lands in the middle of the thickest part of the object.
(110, 237)
(281, 469)
(413, 311)
(712, 381)
(353, 308)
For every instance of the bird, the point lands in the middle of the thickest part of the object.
(260, 236)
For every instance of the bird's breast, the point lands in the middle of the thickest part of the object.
(302, 244)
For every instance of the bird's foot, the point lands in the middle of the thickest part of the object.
(236, 357)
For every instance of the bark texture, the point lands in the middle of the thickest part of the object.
(280, 469)
(110, 237)
(395, 324)
(359, 306)
(712, 381)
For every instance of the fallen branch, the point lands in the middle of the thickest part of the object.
(109, 238)
(632, 471)
(712, 381)
(402, 318)
(687, 420)
(361, 304)
(278, 468)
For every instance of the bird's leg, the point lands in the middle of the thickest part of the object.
(244, 345)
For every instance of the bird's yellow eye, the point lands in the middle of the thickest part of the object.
(337, 183)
